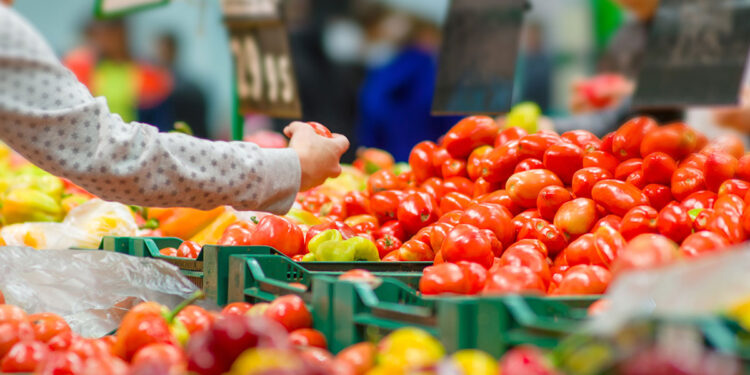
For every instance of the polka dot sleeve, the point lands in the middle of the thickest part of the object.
(52, 120)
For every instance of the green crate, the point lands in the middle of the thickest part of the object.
(118, 244)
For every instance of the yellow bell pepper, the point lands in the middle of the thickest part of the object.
(409, 348)
(302, 217)
(260, 361)
(212, 233)
(47, 184)
(23, 205)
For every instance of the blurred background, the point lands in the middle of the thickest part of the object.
(366, 68)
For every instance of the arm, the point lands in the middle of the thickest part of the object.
(52, 120)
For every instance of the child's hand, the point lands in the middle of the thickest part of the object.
(318, 156)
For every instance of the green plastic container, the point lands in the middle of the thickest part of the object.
(118, 244)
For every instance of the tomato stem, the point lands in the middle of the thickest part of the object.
(198, 294)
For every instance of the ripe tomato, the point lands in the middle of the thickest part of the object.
(658, 195)
(617, 197)
(527, 256)
(237, 234)
(636, 179)
(584, 139)
(452, 218)
(469, 243)
(308, 337)
(468, 134)
(528, 164)
(576, 217)
(362, 224)
(728, 143)
(695, 160)
(281, 234)
(454, 201)
(320, 129)
(686, 181)
(582, 251)
(658, 168)
(626, 142)
(584, 279)
(608, 242)
(512, 133)
(386, 244)
(383, 180)
(24, 357)
(461, 185)
(743, 167)
(414, 250)
(60, 363)
(700, 221)
(550, 199)
(534, 145)
(454, 168)
(563, 159)
(393, 228)
(356, 203)
(499, 163)
(729, 202)
(420, 161)
(612, 221)
(236, 308)
(48, 325)
(438, 233)
(443, 278)
(490, 216)
(676, 140)
(585, 179)
(550, 235)
(734, 186)
(484, 187)
(646, 251)
(189, 249)
(195, 319)
(606, 144)
(359, 357)
(475, 275)
(290, 311)
(524, 219)
(434, 187)
(674, 222)
(600, 159)
(439, 156)
(384, 205)
(639, 220)
(474, 164)
(416, 211)
(524, 187)
(702, 243)
(169, 358)
(502, 198)
(627, 168)
(514, 280)
(719, 167)
(727, 224)
(699, 199)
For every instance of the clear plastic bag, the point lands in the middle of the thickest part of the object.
(91, 289)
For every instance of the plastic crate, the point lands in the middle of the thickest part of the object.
(118, 244)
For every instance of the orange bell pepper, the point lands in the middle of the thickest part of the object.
(187, 222)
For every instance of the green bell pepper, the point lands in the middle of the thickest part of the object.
(328, 246)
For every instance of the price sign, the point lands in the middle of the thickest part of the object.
(116, 8)
(263, 70)
(696, 54)
(478, 57)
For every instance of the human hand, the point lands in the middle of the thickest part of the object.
(736, 117)
(318, 156)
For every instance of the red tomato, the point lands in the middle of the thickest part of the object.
(384, 204)
(189, 249)
(165, 356)
(576, 217)
(609, 242)
(420, 160)
(415, 251)
(617, 197)
(443, 278)
(719, 167)
(700, 222)
(584, 279)
(290, 311)
(281, 234)
(460, 185)
(454, 168)
(585, 179)
(645, 251)
(236, 308)
(469, 243)
(639, 220)
(502, 198)
(534, 145)
(474, 164)
(237, 234)
(734, 186)
(490, 216)
(727, 224)
(686, 181)
(524, 187)
(416, 211)
(356, 203)
(439, 156)
(484, 187)
(564, 159)
(527, 256)
(468, 134)
(383, 180)
(699, 199)
(452, 218)
(528, 165)
(600, 159)
(676, 140)
(658, 195)
(434, 187)
(48, 325)
(627, 168)
(612, 221)
(499, 163)
(550, 235)
(362, 224)
(636, 179)
(393, 228)
(24, 357)
(729, 202)
(60, 363)
(454, 201)
(524, 219)
(626, 142)
(386, 244)
(584, 139)
(438, 233)
(697, 161)
(658, 168)
(359, 357)
(346, 231)
(308, 337)
(743, 168)
(195, 319)
(550, 199)
(514, 280)
(512, 133)
(582, 251)
(728, 143)
(606, 144)
(531, 244)
(702, 243)
(475, 274)
(674, 222)
(320, 129)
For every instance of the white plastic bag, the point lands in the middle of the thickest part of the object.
(91, 289)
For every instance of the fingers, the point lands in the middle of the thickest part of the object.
(294, 127)
(341, 142)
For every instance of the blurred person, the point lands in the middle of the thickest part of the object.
(396, 97)
(536, 68)
(51, 118)
(186, 101)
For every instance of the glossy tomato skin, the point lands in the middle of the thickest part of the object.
(534, 145)
(563, 159)
(585, 179)
(606, 144)
(743, 168)
(415, 251)
(189, 249)
(384, 204)
(528, 164)
(393, 228)
(454, 201)
(658, 195)
(469, 243)
(583, 251)
(493, 217)
(727, 224)
(24, 357)
(674, 222)
(237, 234)
(508, 134)
(443, 278)
(383, 180)
(676, 140)
(539, 229)
(290, 311)
(454, 168)
(439, 156)
(576, 217)
(584, 139)
(719, 167)
(438, 233)
(48, 325)
(416, 211)
(729, 202)
(524, 219)
(646, 251)
(658, 168)
(628, 167)
(474, 163)
(550, 199)
(639, 220)
(434, 187)
(695, 160)
(279, 233)
(524, 187)
(498, 164)
(612, 221)
(527, 256)
(699, 199)
(700, 222)
(734, 186)
(320, 129)
(584, 279)
(386, 244)
(617, 197)
(626, 142)
(702, 243)
(356, 203)
(502, 198)
(461, 185)
(728, 143)
(420, 161)
(636, 179)
(468, 134)
(475, 274)
(686, 181)
(514, 280)
(308, 337)
(600, 159)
